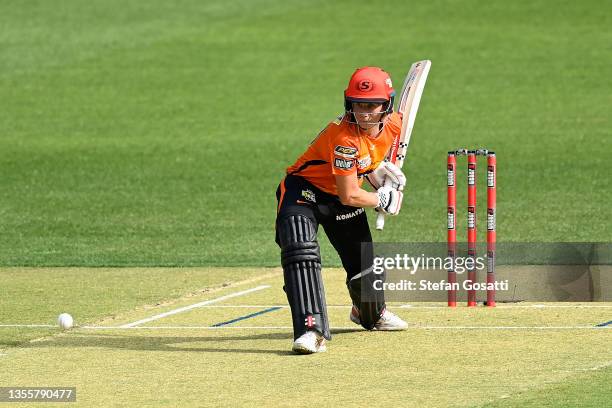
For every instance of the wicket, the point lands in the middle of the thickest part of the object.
(471, 221)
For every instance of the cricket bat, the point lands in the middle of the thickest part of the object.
(410, 98)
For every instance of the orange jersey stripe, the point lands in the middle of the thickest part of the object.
(282, 195)
(341, 150)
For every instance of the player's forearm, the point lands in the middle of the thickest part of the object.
(359, 198)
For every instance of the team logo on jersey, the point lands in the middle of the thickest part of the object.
(364, 162)
(309, 196)
(345, 151)
(343, 164)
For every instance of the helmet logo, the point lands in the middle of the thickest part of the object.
(389, 83)
(365, 85)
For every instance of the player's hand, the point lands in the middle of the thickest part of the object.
(389, 200)
(386, 169)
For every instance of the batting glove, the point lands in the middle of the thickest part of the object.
(386, 169)
(389, 200)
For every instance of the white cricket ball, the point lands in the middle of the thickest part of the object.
(65, 321)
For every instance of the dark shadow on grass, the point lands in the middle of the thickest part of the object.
(347, 331)
(160, 343)
(146, 342)
(18, 337)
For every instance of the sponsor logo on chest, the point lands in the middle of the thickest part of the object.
(364, 162)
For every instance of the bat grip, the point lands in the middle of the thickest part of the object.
(380, 222)
(380, 219)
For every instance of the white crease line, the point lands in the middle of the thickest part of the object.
(124, 327)
(511, 327)
(498, 306)
(554, 306)
(285, 306)
(194, 306)
(348, 327)
(408, 306)
(181, 327)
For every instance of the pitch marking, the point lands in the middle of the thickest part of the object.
(348, 327)
(194, 306)
(271, 309)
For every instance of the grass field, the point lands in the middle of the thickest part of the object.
(155, 134)
(141, 144)
(508, 356)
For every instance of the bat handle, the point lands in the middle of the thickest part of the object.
(380, 219)
(380, 222)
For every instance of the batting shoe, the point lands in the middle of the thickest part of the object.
(388, 321)
(310, 342)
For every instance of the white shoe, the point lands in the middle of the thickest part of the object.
(310, 342)
(387, 322)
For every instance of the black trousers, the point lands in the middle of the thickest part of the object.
(345, 226)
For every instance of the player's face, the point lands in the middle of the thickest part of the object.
(367, 114)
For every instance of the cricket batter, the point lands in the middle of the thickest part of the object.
(324, 187)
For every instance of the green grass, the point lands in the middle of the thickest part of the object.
(155, 134)
(168, 363)
(590, 389)
(151, 136)
(38, 296)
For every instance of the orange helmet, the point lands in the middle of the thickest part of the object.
(370, 84)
